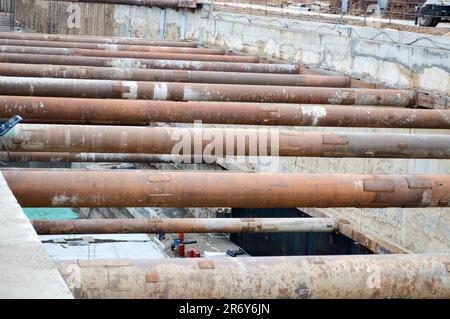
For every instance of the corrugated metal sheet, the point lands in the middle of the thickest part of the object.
(6, 5)
(290, 244)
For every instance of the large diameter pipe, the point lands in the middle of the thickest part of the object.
(131, 112)
(108, 73)
(220, 142)
(93, 39)
(129, 54)
(110, 47)
(304, 277)
(57, 157)
(185, 225)
(150, 64)
(203, 92)
(135, 188)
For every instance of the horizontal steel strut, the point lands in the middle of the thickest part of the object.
(135, 188)
(303, 277)
(139, 112)
(185, 225)
(203, 92)
(221, 142)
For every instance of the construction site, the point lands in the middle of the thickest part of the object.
(200, 149)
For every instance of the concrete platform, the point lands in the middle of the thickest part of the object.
(102, 246)
(26, 270)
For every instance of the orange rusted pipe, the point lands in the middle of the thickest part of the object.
(109, 47)
(139, 112)
(203, 92)
(185, 225)
(150, 64)
(220, 142)
(128, 54)
(137, 188)
(135, 74)
(300, 277)
(55, 157)
(93, 39)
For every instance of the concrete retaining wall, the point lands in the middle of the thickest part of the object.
(379, 55)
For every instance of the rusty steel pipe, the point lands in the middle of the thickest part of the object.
(301, 277)
(135, 74)
(150, 64)
(55, 157)
(185, 225)
(220, 142)
(136, 188)
(93, 39)
(139, 112)
(110, 47)
(203, 92)
(174, 4)
(129, 54)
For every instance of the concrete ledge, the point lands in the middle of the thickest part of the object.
(26, 270)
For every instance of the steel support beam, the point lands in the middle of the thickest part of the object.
(308, 277)
(134, 188)
(93, 39)
(139, 112)
(150, 64)
(135, 74)
(185, 225)
(203, 92)
(55, 157)
(129, 54)
(109, 47)
(221, 142)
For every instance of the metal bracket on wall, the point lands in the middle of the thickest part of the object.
(8, 125)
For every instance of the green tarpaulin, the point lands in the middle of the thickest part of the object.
(50, 213)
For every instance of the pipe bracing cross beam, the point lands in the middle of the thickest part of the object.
(150, 64)
(139, 112)
(203, 92)
(129, 54)
(304, 277)
(56, 157)
(109, 47)
(185, 225)
(133, 188)
(93, 39)
(136, 74)
(223, 142)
